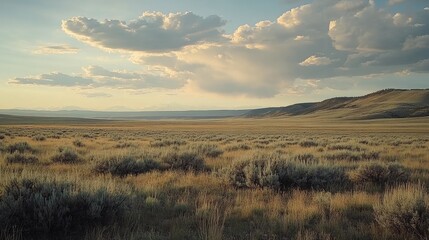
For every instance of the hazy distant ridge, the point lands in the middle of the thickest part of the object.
(389, 103)
(127, 115)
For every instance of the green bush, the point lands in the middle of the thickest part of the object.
(404, 212)
(380, 174)
(66, 155)
(42, 206)
(20, 147)
(257, 172)
(24, 158)
(316, 177)
(125, 165)
(273, 172)
(187, 161)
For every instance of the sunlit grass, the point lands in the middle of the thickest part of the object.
(167, 202)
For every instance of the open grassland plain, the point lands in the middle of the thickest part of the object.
(297, 178)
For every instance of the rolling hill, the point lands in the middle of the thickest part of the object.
(389, 103)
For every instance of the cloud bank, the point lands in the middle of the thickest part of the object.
(96, 77)
(310, 44)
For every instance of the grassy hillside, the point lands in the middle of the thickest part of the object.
(391, 103)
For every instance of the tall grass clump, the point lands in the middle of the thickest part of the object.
(210, 215)
(47, 206)
(125, 165)
(404, 212)
(66, 155)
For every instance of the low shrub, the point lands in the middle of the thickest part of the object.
(20, 147)
(187, 161)
(237, 147)
(260, 171)
(23, 158)
(125, 165)
(316, 177)
(404, 212)
(208, 150)
(86, 135)
(345, 155)
(345, 147)
(124, 145)
(78, 143)
(308, 143)
(379, 174)
(167, 143)
(39, 138)
(2, 136)
(36, 206)
(305, 158)
(66, 155)
(273, 172)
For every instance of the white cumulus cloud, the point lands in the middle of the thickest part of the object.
(151, 32)
(320, 41)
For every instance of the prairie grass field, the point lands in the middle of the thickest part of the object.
(297, 178)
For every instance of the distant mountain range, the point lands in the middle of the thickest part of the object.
(389, 103)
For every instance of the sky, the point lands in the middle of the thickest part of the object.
(199, 54)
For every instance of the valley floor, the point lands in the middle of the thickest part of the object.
(295, 178)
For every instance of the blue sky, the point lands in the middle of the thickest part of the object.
(177, 55)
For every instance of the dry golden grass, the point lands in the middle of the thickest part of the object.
(171, 203)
